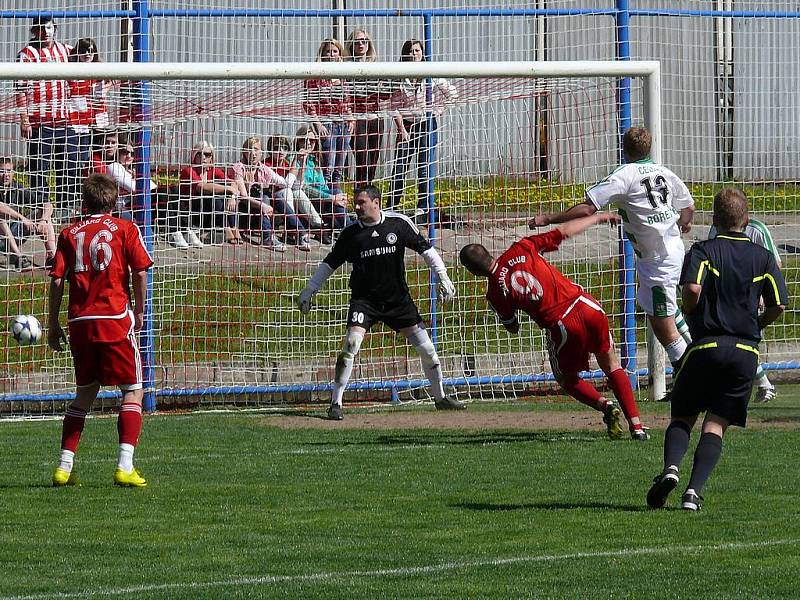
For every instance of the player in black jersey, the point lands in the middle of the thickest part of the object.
(723, 280)
(375, 245)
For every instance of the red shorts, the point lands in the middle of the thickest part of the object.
(582, 330)
(108, 363)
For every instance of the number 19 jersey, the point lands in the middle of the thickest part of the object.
(649, 198)
(96, 256)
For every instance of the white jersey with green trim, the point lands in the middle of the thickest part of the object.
(649, 198)
(758, 234)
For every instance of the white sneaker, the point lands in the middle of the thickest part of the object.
(194, 239)
(765, 394)
(177, 240)
(275, 245)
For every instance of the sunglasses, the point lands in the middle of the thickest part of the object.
(361, 41)
(207, 154)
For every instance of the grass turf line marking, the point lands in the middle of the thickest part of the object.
(398, 572)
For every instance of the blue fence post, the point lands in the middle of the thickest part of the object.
(430, 160)
(627, 260)
(143, 199)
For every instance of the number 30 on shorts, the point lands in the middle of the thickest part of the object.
(357, 317)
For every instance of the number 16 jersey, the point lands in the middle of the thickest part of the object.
(96, 256)
(649, 198)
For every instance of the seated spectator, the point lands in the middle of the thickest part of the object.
(332, 207)
(17, 204)
(104, 151)
(123, 172)
(255, 181)
(213, 198)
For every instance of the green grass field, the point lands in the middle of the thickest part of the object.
(241, 507)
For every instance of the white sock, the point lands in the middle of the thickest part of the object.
(67, 460)
(762, 380)
(682, 326)
(675, 350)
(125, 460)
(430, 361)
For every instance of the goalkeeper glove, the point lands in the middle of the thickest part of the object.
(304, 300)
(447, 291)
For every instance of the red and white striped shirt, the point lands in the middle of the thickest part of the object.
(46, 100)
(87, 107)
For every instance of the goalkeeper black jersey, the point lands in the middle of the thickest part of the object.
(377, 253)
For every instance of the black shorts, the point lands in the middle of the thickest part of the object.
(716, 375)
(364, 313)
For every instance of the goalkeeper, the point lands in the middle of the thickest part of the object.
(375, 245)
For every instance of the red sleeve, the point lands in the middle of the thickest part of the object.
(218, 175)
(546, 242)
(310, 107)
(138, 257)
(61, 260)
(500, 303)
(189, 178)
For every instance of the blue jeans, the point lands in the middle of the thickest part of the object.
(415, 147)
(334, 154)
(334, 216)
(56, 149)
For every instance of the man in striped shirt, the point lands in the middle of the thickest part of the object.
(44, 118)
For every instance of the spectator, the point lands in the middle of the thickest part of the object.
(417, 133)
(331, 206)
(365, 96)
(44, 118)
(123, 172)
(87, 108)
(278, 148)
(15, 203)
(212, 196)
(104, 151)
(328, 105)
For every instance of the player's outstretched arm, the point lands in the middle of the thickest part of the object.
(578, 226)
(315, 284)
(55, 335)
(584, 209)
(447, 291)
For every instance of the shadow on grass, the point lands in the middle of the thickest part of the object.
(478, 438)
(493, 507)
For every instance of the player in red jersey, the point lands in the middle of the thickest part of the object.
(99, 256)
(521, 279)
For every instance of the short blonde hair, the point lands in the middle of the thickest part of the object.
(330, 42)
(730, 209)
(252, 142)
(99, 193)
(198, 148)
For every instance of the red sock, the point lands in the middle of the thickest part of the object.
(71, 429)
(621, 386)
(129, 423)
(583, 392)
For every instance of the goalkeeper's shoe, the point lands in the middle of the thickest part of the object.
(611, 414)
(132, 479)
(335, 412)
(447, 403)
(63, 478)
(663, 484)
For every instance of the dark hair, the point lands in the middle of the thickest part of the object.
(405, 52)
(99, 193)
(476, 259)
(730, 209)
(7, 159)
(42, 20)
(636, 143)
(84, 46)
(370, 190)
(275, 142)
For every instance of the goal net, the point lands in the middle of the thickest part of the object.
(510, 140)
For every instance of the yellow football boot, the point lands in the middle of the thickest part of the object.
(132, 479)
(61, 478)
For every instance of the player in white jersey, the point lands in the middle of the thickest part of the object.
(759, 234)
(656, 207)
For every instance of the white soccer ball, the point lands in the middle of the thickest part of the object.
(26, 329)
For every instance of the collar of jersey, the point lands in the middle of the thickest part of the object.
(381, 220)
(733, 235)
(643, 161)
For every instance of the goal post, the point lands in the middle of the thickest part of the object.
(519, 137)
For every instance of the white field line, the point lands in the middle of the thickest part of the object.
(399, 572)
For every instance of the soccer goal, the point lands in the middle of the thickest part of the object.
(507, 141)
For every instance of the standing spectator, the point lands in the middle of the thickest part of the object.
(332, 206)
(23, 212)
(417, 135)
(758, 233)
(87, 108)
(100, 257)
(575, 324)
(375, 245)
(327, 104)
(44, 118)
(365, 97)
(723, 280)
(656, 207)
(277, 159)
(252, 178)
(212, 196)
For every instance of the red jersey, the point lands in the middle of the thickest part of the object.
(87, 108)
(98, 164)
(47, 100)
(190, 177)
(521, 279)
(96, 256)
(326, 97)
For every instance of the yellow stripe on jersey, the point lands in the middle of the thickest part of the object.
(702, 268)
(772, 281)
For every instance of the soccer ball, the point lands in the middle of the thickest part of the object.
(26, 329)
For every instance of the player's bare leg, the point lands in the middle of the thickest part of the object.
(666, 332)
(71, 430)
(344, 368)
(621, 386)
(418, 337)
(129, 427)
